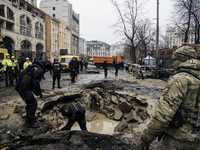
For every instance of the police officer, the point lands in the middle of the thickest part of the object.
(56, 72)
(72, 66)
(15, 68)
(74, 112)
(26, 91)
(96, 98)
(7, 63)
(176, 116)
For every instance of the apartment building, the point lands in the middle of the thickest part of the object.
(63, 10)
(82, 46)
(98, 48)
(23, 28)
(64, 36)
(175, 37)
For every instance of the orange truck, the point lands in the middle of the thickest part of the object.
(98, 61)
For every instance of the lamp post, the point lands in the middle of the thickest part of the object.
(157, 33)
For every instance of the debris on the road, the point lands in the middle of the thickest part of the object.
(127, 101)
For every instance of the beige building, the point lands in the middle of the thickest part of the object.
(57, 37)
(64, 36)
(52, 38)
(23, 28)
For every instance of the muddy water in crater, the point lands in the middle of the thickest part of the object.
(103, 126)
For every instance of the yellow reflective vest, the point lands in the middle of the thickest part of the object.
(26, 64)
(15, 64)
(7, 63)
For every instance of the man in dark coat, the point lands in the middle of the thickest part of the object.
(75, 112)
(56, 72)
(26, 91)
(81, 64)
(116, 65)
(72, 66)
(105, 67)
(77, 67)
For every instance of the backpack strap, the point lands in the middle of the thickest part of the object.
(195, 73)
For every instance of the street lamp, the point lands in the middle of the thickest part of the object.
(157, 33)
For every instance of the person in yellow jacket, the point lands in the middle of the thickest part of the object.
(27, 63)
(7, 68)
(15, 67)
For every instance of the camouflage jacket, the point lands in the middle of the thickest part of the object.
(181, 90)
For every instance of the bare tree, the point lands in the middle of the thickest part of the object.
(196, 16)
(182, 16)
(146, 35)
(127, 23)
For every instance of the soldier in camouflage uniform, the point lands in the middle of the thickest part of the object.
(96, 98)
(180, 92)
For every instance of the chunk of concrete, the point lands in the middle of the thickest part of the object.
(114, 99)
(121, 126)
(132, 117)
(124, 107)
(122, 99)
(19, 109)
(118, 115)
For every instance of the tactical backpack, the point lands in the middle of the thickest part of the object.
(191, 116)
(25, 78)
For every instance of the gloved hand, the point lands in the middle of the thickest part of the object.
(142, 145)
(41, 95)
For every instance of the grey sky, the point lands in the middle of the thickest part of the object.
(97, 17)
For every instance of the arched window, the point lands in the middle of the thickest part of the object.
(39, 30)
(10, 14)
(25, 25)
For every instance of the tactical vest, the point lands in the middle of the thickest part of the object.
(24, 77)
(192, 116)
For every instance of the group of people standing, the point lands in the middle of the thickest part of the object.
(12, 67)
(74, 67)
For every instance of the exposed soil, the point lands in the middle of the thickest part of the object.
(127, 100)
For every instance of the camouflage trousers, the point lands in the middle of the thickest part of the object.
(170, 143)
(95, 100)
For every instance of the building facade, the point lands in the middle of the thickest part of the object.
(75, 33)
(98, 48)
(23, 28)
(175, 37)
(117, 50)
(82, 46)
(63, 10)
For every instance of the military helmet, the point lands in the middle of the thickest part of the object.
(184, 53)
(12, 57)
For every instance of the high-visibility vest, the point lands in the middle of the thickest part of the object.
(26, 64)
(7, 63)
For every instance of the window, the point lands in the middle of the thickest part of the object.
(54, 8)
(54, 15)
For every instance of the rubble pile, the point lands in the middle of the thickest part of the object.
(129, 108)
